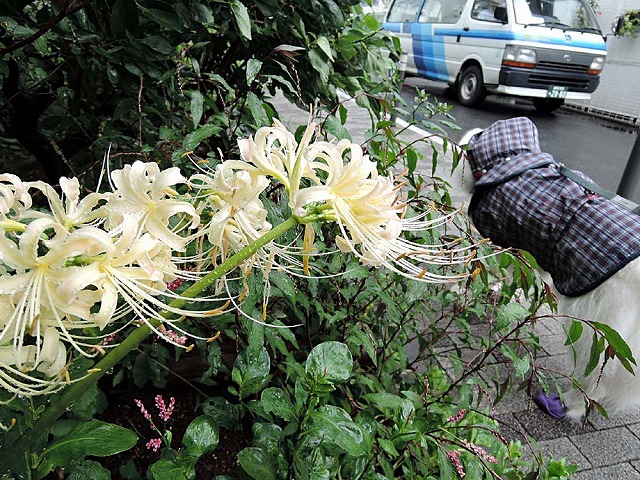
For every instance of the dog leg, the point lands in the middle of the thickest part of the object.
(615, 303)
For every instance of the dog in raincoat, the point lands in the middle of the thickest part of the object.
(588, 244)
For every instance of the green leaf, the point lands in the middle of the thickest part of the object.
(275, 400)
(89, 469)
(320, 63)
(158, 44)
(197, 101)
(615, 340)
(412, 163)
(161, 17)
(335, 426)
(388, 447)
(256, 109)
(285, 283)
(194, 139)
(94, 438)
(323, 44)
(268, 436)
(253, 69)
(251, 371)
(124, 18)
(91, 402)
(201, 434)
(335, 127)
(521, 364)
(243, 21)
(331, 361)
(165, 469)
(509, 314)
(258, 464)
(574, 332)
(597, 347)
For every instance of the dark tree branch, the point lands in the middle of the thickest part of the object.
(66, 11)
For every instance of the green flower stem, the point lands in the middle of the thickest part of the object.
(73, 393)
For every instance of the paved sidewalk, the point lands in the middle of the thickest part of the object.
(603, 449)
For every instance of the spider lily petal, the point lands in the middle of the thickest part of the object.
(145, 192)
(14, 196)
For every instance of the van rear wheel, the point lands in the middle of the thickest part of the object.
(547, 105)
(471, 87)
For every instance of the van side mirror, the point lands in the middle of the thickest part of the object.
(618, 25)
(501, 14)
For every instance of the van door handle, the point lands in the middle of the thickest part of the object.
(466, 29)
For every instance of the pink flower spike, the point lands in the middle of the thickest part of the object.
(154, 444)
(145, 413)
(454, 456)
(164, 411)
(458, 416)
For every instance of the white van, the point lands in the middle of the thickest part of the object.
(545, 50)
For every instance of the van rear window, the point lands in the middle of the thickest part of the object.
(403, 11)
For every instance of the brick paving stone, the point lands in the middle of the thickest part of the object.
(632, 420)
(514, 401)
(621, 471)
(608, 447)
(553, 344)
(510, 429)
(544, 427)
(635, 429)
(560, 448)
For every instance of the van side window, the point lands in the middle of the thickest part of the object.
(486, 10)
(441, 11)
(403, 11)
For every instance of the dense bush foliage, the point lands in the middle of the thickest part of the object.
(154, 79)
(380, 377)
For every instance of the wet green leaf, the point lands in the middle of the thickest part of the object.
(202, 434)
(241, 14)
(334, 425)
(258, 463)
(276, 400)
(331, 361)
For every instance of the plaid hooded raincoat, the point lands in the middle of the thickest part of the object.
(521, 200)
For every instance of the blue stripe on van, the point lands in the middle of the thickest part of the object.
(492, 34)
(429, 53)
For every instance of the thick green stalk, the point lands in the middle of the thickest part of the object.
(72, 393)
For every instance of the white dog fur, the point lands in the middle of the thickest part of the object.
(616, 303)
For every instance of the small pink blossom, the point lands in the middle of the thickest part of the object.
(174, 337)
(454, 456)
(164, 411)
(175, 284)
(145, 413)
(479, 451)
(154, 444)
(458, 416)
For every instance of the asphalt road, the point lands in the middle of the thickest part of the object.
(600, 148)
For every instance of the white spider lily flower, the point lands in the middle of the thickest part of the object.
(26, 284)
(146, 193)
(14, 197)
(69, 209)
(276, 153)
(370, 213)
(238, 216)
(101, 261)
(51, 360)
